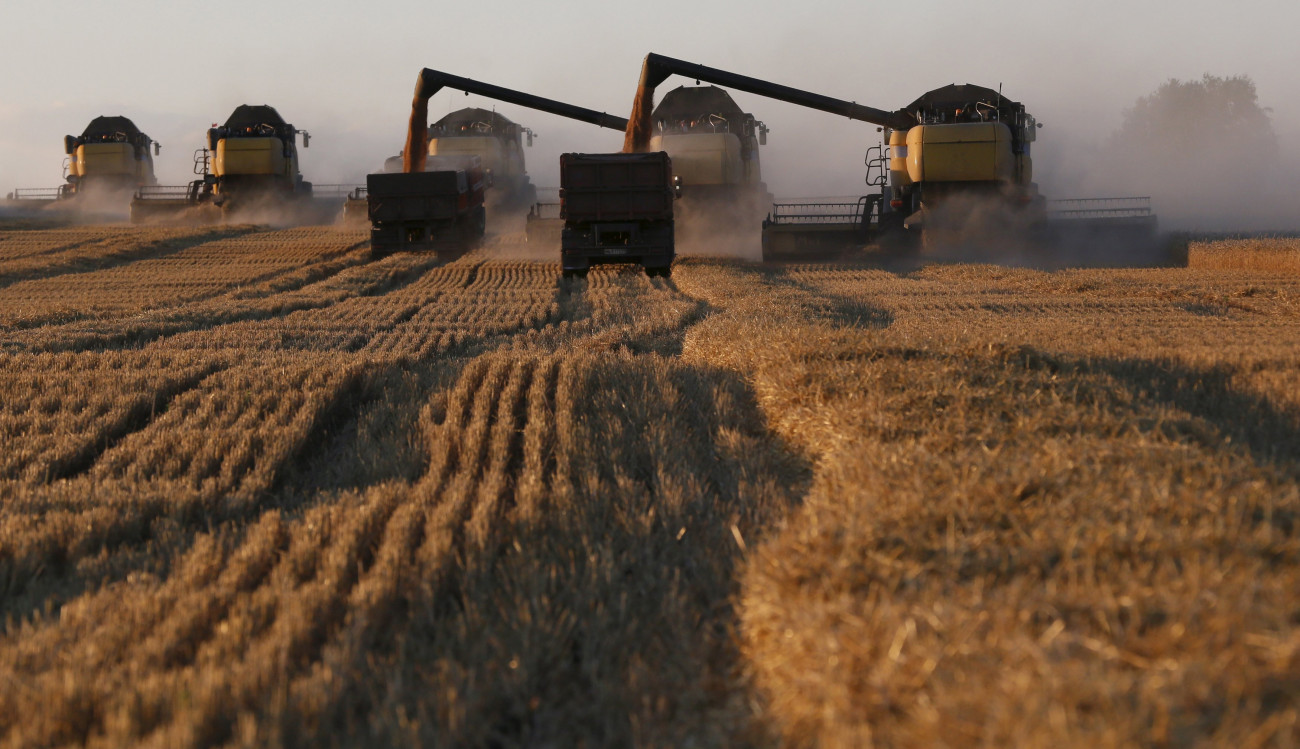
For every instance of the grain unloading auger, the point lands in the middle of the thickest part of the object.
(957, 151)
(420, 210)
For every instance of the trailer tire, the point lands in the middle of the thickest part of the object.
(478, 223)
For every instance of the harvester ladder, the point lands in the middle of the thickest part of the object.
(202, 161)
(877, 166)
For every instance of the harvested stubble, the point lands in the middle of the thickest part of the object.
(406, 502)
(36, 254)
(1038, 518)
(166, 279)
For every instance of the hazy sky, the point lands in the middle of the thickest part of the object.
(345, 70)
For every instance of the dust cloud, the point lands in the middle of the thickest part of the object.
(989, 229)
(1206, 152)
(724, 224)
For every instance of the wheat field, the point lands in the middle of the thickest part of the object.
(258, 489)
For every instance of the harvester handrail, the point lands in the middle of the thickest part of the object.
(333, 191)
(1129, 207)
(147, 192)
(36, 193)
(817, 213)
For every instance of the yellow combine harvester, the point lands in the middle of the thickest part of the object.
(494, 139)
(448, 141)
(109, 161)
(499, 143)
(713, 145)
(250, 166)
(956, 160)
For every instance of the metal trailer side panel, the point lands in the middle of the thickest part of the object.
(616, 187)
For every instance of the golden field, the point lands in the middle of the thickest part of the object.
(259, 489)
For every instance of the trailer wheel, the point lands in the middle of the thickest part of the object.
(478, 223)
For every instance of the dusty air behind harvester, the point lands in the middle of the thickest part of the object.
(955, 150)
(109, 160)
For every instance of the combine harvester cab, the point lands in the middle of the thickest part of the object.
(255, 160)
(110, 156)
(438, 210)
(617, 208)
(107, 162)
(249, 168)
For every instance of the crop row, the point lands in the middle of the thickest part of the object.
(195, 272)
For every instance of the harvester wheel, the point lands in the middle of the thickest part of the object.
(574, 273)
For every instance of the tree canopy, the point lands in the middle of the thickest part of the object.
(1204, 150)
(1215, 114)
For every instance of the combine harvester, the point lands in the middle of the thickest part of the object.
(109, 161)
(496, 141)
(714, 147)
(954, 161)
(424, 221)
(248, 170)
(615, 208)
